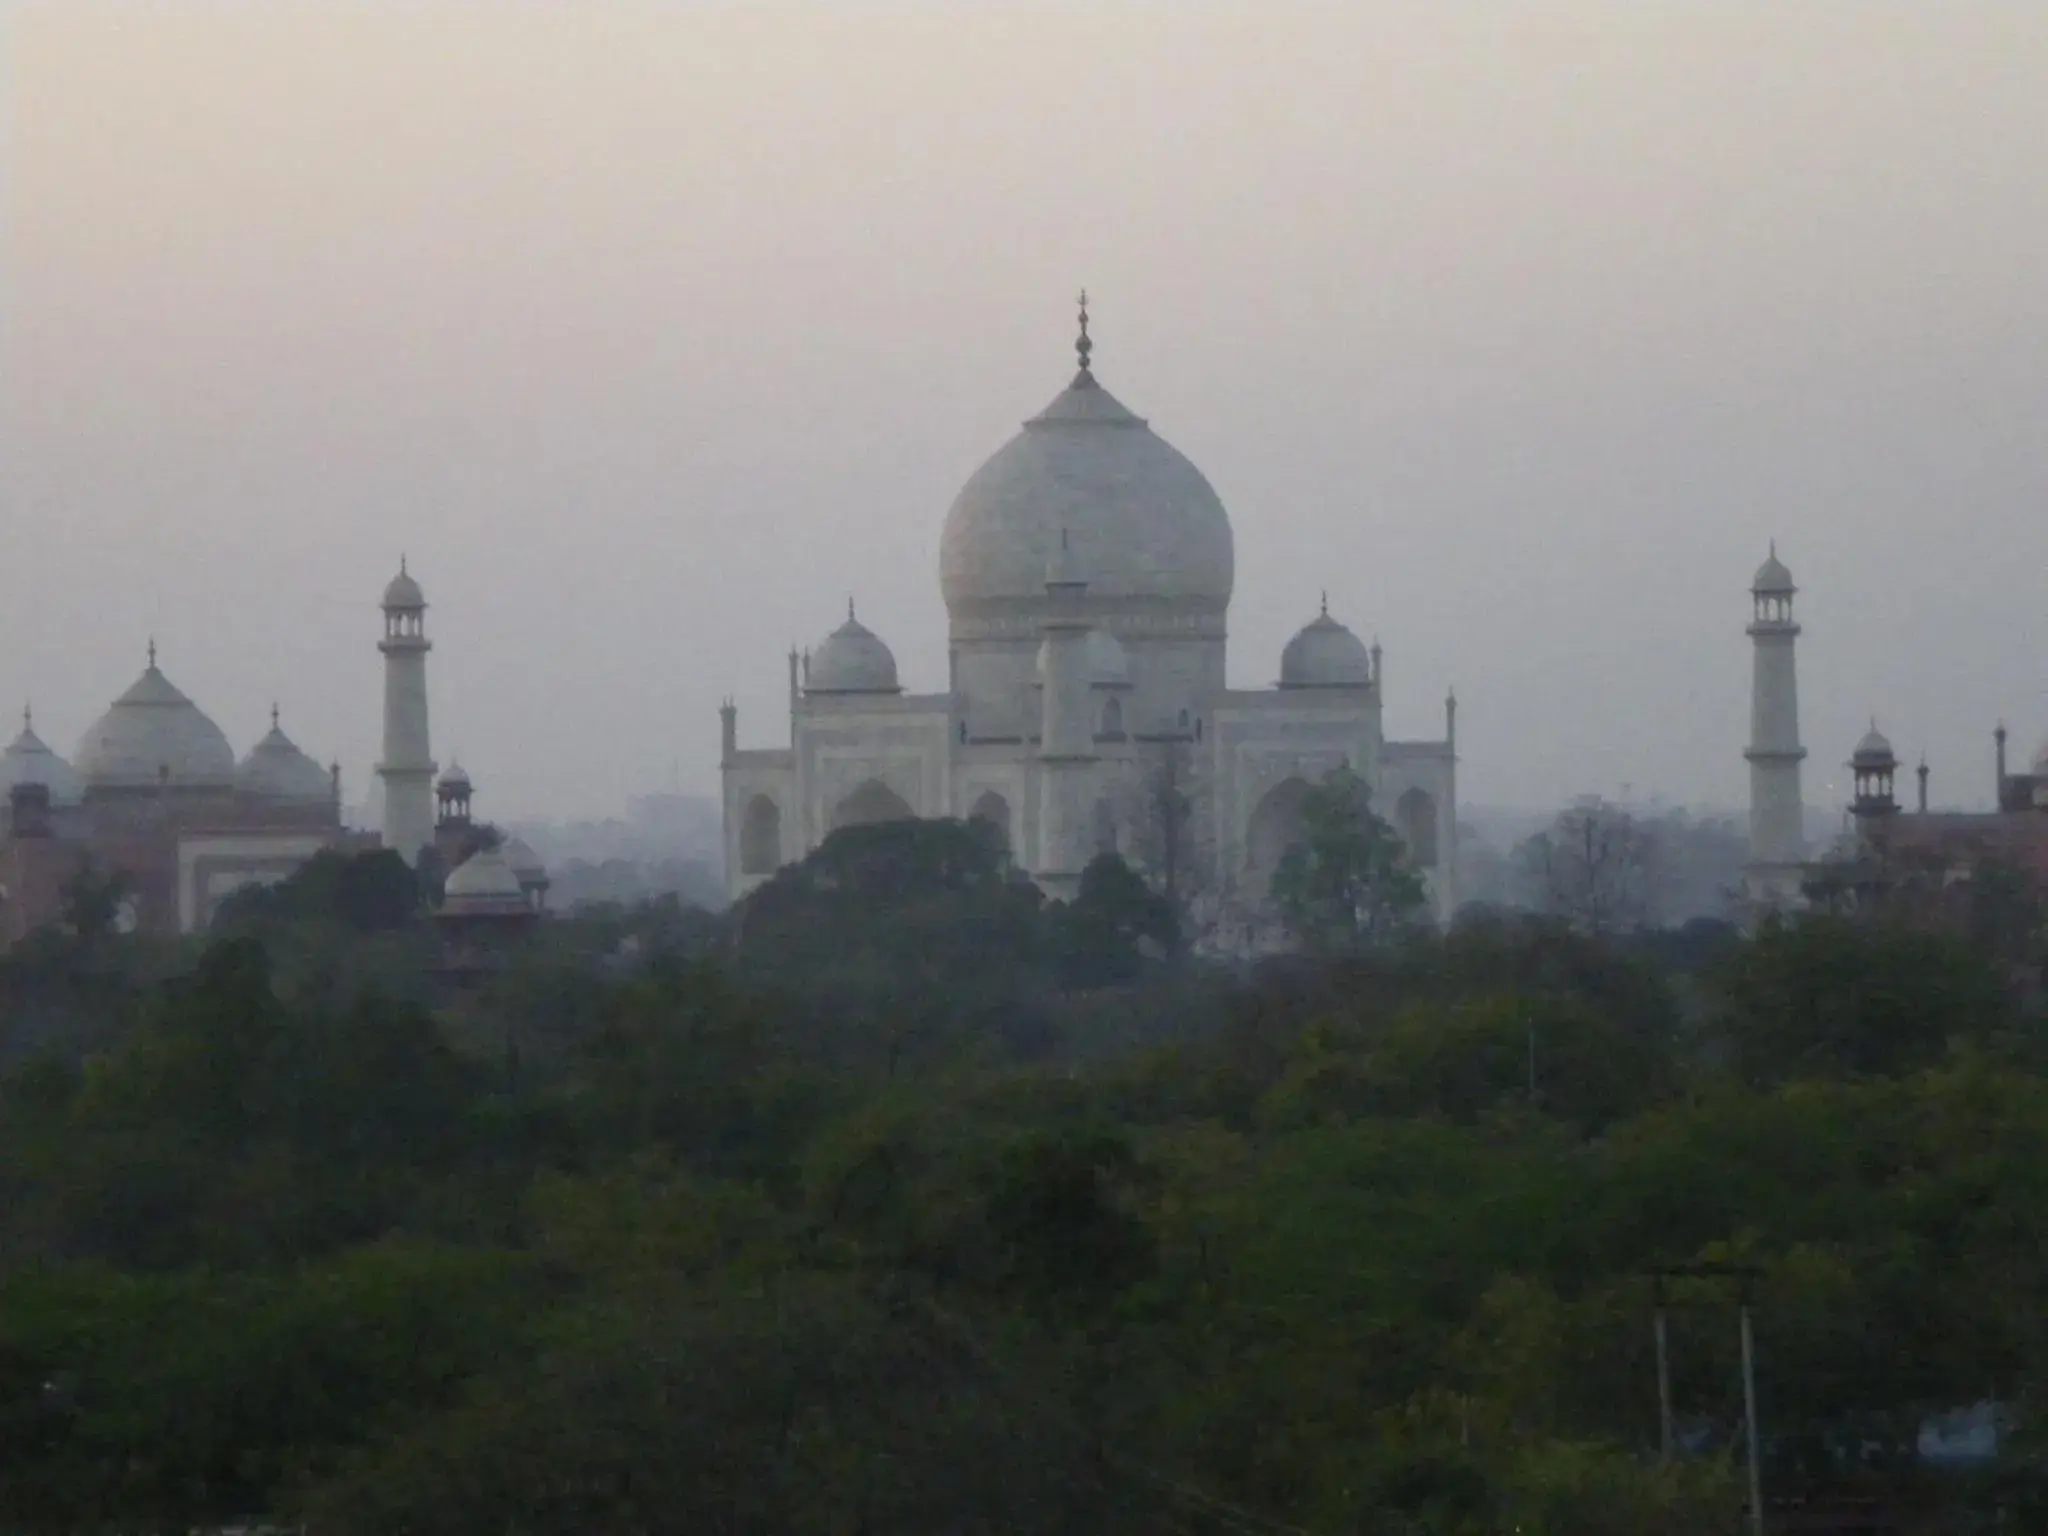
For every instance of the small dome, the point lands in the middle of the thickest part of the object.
(28, 761)
(153, 735)
(1324, 654)
(525, 863)
(484, 885)
(456, 778)
(1873, 751)
(852, 659)
(403, 594)
(278, 770)
(1772, 579)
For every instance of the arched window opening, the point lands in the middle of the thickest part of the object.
(1415, 819)
(874, 801)
(994, 810)
(761, 837)
(1113, 718)
(1275, 827)
(1105, 828)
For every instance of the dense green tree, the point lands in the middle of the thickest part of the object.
(91, 903)
(1833, 996)
(1347, 882)
(1101, 937)
(359, 892)
(880, 1211)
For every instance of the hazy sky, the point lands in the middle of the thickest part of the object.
(651, 331)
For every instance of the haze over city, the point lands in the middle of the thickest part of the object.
(651, 334)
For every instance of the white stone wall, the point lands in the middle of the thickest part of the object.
(749, 776)
(997, 682)
(214, 865)
(1260, 742)
(902, 743)
(932, 754)
(1009, 774)
(1430, 767)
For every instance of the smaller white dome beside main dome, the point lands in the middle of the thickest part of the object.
(28, 760)
(276, 769)
(1325, 654)
(852, 659)
(153, 736)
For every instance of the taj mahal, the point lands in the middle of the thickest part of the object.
(1087, 570)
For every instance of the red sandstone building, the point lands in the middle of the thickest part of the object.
(156, 799)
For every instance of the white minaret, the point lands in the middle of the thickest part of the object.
(407, 769)
(1777, 839)
(1066, 745)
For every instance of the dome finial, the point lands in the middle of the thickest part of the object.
(849, 608)
(1082, 345)
(28, 716)
(1326, 602)
(273, 714)
(152, 653)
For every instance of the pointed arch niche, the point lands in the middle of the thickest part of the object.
(874, 801)
(1275, 826)
(993, 809)
(1415, 820)
(761, 837)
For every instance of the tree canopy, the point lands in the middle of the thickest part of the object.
(904, 1200)
(1346, 881)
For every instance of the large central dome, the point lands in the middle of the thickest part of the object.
(154, 737)
(1143, 522)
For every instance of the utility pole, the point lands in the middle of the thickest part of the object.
(1756, 1473)
(1745, 1276)
(1665, 1434)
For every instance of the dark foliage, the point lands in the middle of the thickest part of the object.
(908, 1202)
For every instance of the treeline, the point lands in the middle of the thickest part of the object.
(899, 1201)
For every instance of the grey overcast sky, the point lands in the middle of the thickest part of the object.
(651, 331)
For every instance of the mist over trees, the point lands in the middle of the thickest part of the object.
(1608, 869)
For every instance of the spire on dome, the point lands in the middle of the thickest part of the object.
(1326, 602)
(273, 714)
(152, 653)
(1083, 346)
